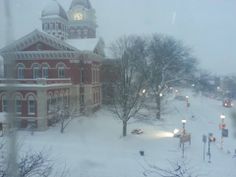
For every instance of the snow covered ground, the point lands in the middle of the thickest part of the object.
(93, 146)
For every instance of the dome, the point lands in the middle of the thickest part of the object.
(84, 3)
(54, 9)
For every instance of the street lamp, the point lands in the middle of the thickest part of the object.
(183, 122)
(187, 101)
(183, 136)
(222, 126)
(222, 117)
(144, 91)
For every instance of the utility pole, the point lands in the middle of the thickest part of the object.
(12, 167)
(204, 140)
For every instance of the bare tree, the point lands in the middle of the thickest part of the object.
(29, 165)
(130, 52)
(66, 115)
(176, 170)
(169, 62)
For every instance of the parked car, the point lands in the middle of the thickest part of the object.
(137, 131)
(227, 103)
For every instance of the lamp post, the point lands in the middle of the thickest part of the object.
(187, 101)
(222, 126)
(183, 123)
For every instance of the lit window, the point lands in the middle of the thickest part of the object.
(31, 105)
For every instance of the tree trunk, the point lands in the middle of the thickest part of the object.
(124, 128)
(158, 104)
(62, 126)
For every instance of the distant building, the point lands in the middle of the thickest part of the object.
(54, 69)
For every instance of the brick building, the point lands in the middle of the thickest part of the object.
(53, 69)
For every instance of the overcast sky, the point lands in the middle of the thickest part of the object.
(207, 26)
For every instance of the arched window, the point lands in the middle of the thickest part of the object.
(4, 103)
(31, 105)
(20, 71)
(45, 68)
(82, 76)
(36, 70)
(61, 70)
(18, 106)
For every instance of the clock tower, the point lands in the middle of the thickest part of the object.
(82, 20)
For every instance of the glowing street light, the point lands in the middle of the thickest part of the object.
(183, 121)
(144, 91)
(222, 117)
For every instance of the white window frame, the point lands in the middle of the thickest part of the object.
(30, 106)
(45, 72)
(61, 72)
(20, 72)
(4, 103)
(36, 72)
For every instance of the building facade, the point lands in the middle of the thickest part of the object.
(49, 73)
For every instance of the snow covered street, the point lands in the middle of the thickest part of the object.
(93, 146)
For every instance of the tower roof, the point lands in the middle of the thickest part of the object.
(84, 3)
(54, 9)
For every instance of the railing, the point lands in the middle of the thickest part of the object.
(44, 81)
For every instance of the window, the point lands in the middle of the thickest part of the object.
(31, 105)
(82, 75)
(66, 99)
(61, 72)
(20, 72)
(45, 71)
(82, 100)
(56, 26)
(93, 75)
(4, 103)
(18, 104)
(50, 103)
(36, 71)
(50, 26)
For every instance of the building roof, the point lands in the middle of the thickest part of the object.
(34, 37)
(83, 3)
(83, 44)
(54, 9)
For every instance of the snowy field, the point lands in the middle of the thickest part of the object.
(93, 146)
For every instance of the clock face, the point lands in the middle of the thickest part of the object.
(78, 16)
